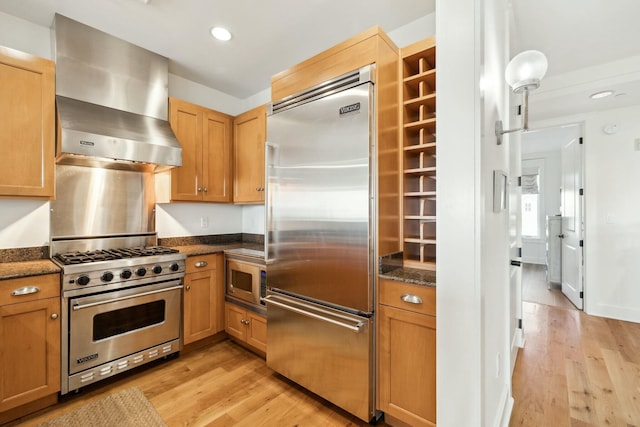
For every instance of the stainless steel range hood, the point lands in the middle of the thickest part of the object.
(112, 102)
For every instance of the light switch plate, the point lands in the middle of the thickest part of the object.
(636, 144)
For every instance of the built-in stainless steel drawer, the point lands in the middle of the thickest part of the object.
(327, 351)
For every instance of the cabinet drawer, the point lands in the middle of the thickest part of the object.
(48, 286)
(202, 262)
(392, 293)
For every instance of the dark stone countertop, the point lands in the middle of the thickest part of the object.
(14, 270)
(414, 276)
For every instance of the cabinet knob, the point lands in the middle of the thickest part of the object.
(199, 189)
(205, 189)
(201, 264)
(188, 288)
(54, 316)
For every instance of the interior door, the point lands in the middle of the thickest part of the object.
(572, 221)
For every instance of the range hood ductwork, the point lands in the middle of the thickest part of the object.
(112, 102)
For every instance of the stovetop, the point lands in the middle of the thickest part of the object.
(71, 258)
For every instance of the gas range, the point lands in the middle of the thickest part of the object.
(119, 267)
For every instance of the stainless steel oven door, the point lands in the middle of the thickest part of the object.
(243, 280)
(110, 325)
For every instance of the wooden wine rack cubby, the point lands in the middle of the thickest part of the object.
(418, 71)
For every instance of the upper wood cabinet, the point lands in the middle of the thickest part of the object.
(205, 137)
(250, 133)
(27, 128)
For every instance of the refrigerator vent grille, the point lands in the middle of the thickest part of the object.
(345, 81)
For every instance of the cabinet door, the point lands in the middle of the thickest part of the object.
(235, 318)
(186, 123)
(27, 128)
(203, 311)
(257, 331)
(407, 366)
(250, 131)
(29, 351)
(216, 158)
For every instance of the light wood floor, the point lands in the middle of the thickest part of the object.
(576, 370)
(221, 384)
(535, 287)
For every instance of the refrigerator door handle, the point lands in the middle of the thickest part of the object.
(355, 328)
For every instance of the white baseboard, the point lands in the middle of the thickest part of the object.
(506, 406)
(615, 312)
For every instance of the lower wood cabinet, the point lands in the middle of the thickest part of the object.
(407, 353)
(203, 297)
(29, 340)
(246, 326)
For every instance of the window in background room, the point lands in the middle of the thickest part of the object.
(531, 203)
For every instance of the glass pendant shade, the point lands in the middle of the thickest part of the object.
(525, 70)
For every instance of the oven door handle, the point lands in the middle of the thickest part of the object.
(77, 307)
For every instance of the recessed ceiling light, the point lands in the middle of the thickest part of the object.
(602, 94)
(221, 33)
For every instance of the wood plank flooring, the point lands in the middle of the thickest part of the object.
(535, 287)
(220, 384)
(576, 370)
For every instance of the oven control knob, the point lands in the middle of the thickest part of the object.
(157, 269)
(174, 267)
(107, 276)
(82, 280)
(141, 271)
(125, 274)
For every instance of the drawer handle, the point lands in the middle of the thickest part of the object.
(412, 299)
(26, 291)
(201, 264)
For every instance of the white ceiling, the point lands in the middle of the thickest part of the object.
(269, 36)
(590, 44)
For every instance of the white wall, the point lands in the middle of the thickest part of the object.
(534, 250)
(612, 203)
(473, 342)
(185, 219)
(25, 36)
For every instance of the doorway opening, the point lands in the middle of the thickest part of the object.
(552, 216)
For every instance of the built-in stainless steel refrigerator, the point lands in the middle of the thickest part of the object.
(320, 240)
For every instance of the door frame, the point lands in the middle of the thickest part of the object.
(581, 161)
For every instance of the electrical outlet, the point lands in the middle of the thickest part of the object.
(204, 222)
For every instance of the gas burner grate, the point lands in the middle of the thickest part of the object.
(69, 258)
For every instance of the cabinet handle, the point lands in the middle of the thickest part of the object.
(199, 189)
(201, 264)
(25, 290)
(188, 288)
(205, 189)
(54, 316)
(245, 322)
(412, 299)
